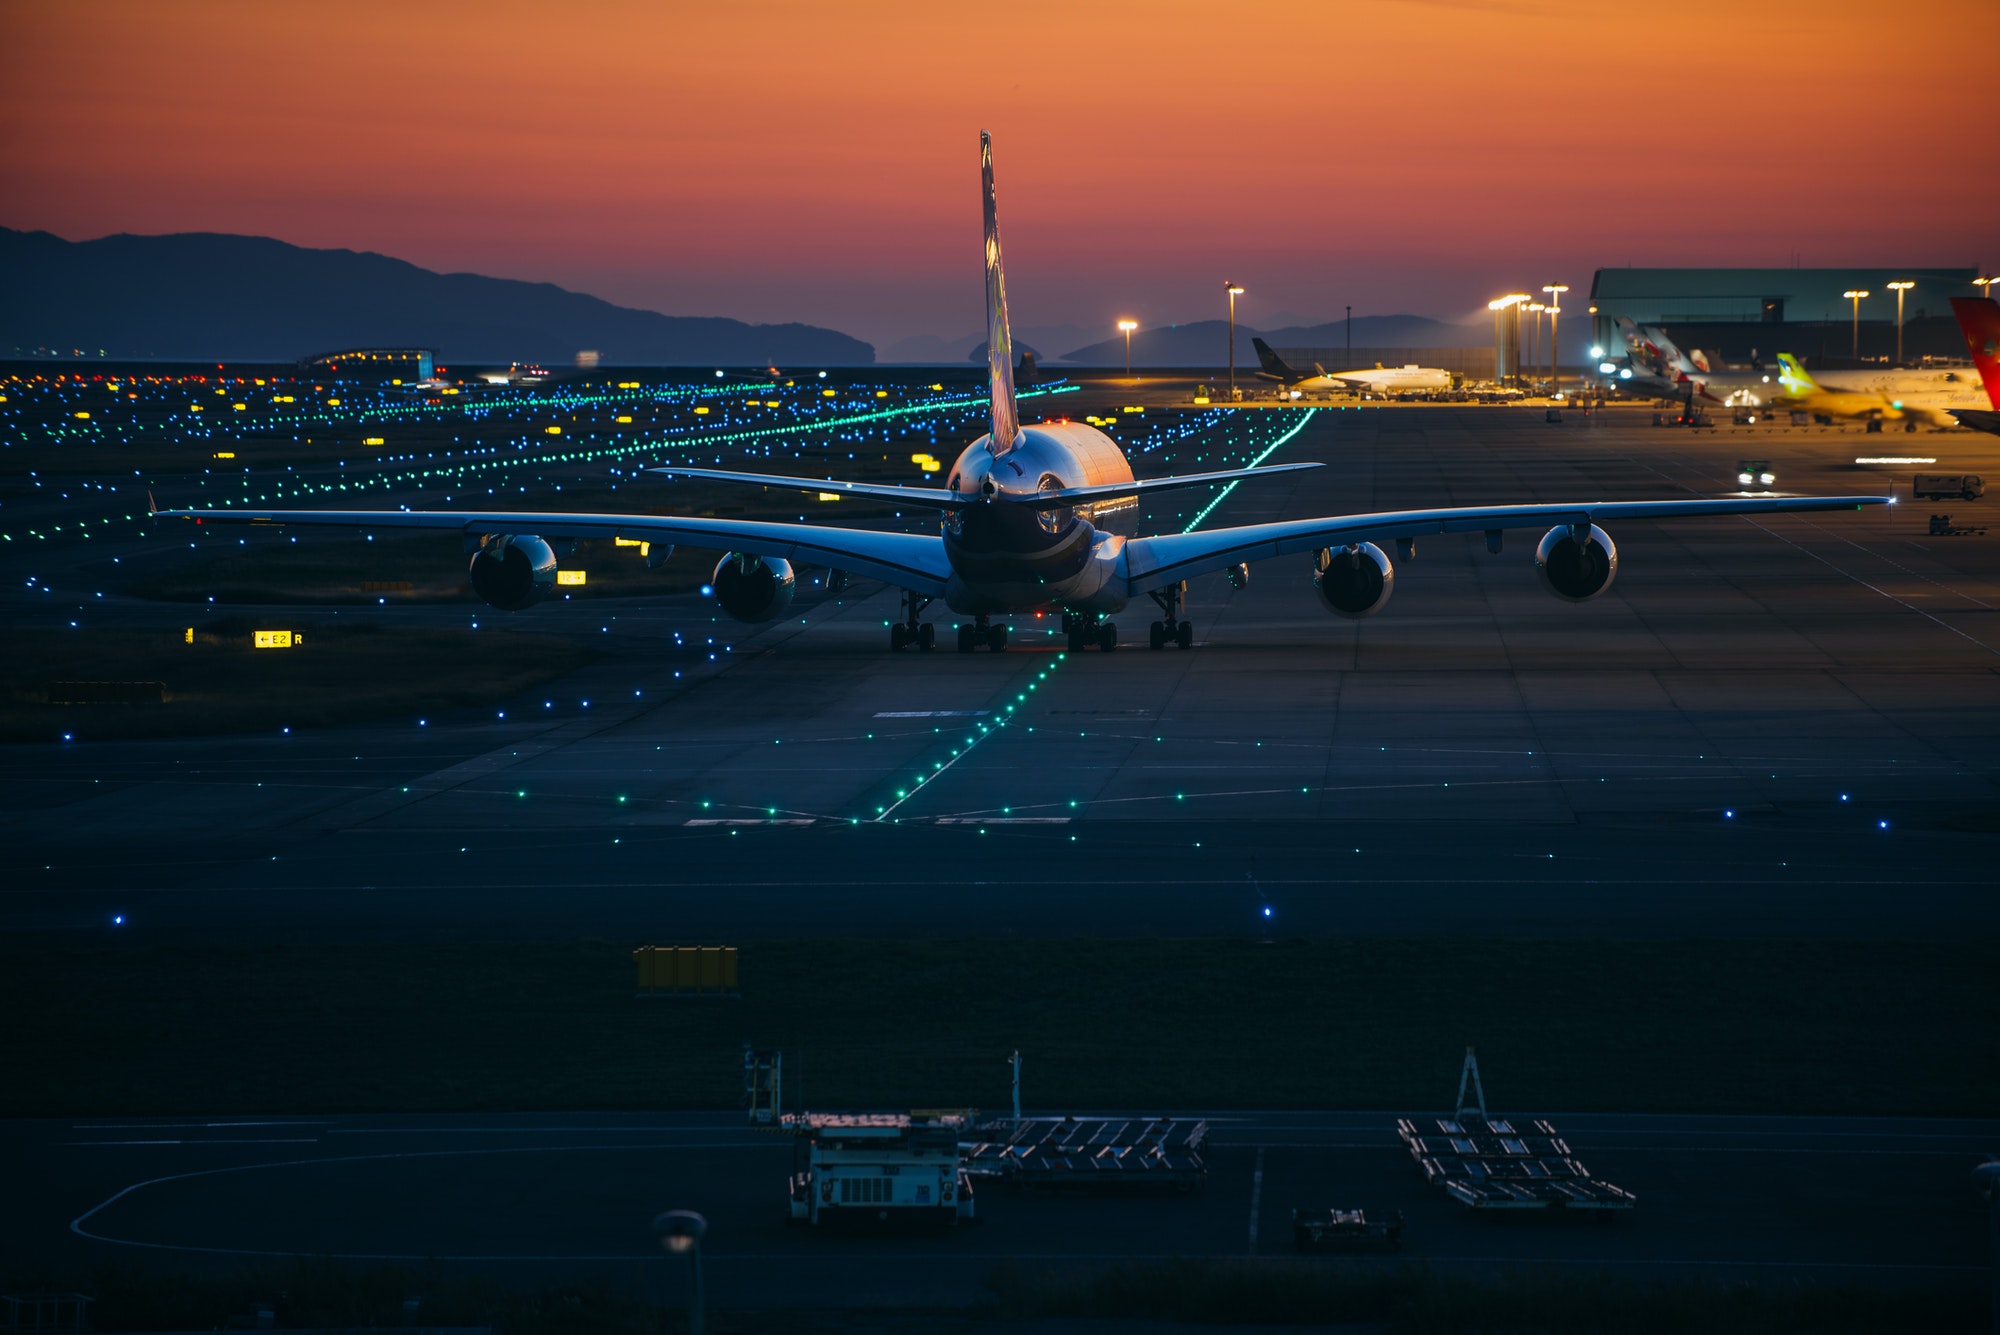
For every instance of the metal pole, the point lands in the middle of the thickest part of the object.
(695, 1313)
(1554, 313)
(1349, 325)
(1232, 340)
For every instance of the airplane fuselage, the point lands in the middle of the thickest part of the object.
(1010, 556)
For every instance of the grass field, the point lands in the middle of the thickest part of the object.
(344, 672)
(1700, 1026)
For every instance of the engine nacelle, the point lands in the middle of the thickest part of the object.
(1576, 571)
(513, 571)
(753, 588)
(1354, 582)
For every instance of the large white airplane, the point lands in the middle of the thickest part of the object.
(1034, 518)
(1405, 379)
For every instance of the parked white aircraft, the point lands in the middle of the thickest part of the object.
(1406, 379)
(1034, 518)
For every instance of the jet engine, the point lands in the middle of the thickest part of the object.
(1576, 571)
(1354, 581)
(753, 588)
(512, 571)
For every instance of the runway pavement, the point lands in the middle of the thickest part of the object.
(1780, 725)
(556, 1197)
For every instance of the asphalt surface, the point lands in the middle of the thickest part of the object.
(1877, 1201)
(1774, 728)
(1775, 725)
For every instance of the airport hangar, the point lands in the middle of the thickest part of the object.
(1744, 314)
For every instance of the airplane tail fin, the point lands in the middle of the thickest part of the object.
(1274, 365)
(1979, 317)
(999, 341)
(1797, 373)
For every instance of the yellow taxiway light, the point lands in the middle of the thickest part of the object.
(622, 421)
(333, 403)
(85, 415)
(701, 412)
(194, 407)
(829, 495)
(1133, 409)
(570, 577)
(225, 454)
(552, 431)
(190, 634)
(881, 393)
(275, 639)
(770, 403)
(938, 388)
(829, 394)
(374, 440)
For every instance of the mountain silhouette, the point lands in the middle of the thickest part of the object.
(200, 296)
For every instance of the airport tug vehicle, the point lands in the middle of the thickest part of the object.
(879, 1168)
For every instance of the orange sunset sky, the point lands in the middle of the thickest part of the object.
(818, 162)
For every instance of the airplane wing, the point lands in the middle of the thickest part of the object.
(942, 499)
(938, 498)
(907, 560)
(1154, 563)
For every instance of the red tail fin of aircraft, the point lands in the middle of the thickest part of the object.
(1979, 317)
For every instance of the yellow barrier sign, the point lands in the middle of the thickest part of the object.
(273, 639)
(569, 576)
(697, 971)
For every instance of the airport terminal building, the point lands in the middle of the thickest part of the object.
(1746, 313)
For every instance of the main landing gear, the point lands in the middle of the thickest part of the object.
(978, 633)
(909, 631)
(1171, 629)
(1085, 631)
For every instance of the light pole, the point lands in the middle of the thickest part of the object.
(1855, 295)
(1126, 327)
(1555, 291)
(680, 1233)
(1986, 1181)
(1535, 336)
(1900, 288)
(1234, 292)
(1348, 325)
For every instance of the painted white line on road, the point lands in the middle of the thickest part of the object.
(243, 1140)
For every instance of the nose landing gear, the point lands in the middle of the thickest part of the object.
(1171, 629)
(1086, 631)
(978, 633)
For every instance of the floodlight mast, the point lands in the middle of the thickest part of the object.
(1234, 292)
(1555, 291)
(1900, 287)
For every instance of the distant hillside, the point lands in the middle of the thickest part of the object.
(1206, 342)
(202, 295)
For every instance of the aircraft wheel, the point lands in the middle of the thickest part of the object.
(1158, 634)
(899, 635)
(968, 639)
(996, 639)
(1107, 636)
(927, 637)
(1184, 635)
